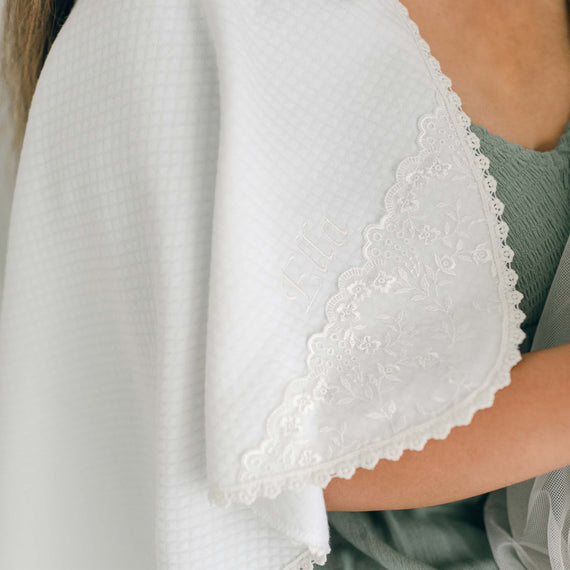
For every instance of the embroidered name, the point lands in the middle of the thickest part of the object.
(303, 270)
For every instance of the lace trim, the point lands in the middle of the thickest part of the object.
(417, 436)
(306, 560)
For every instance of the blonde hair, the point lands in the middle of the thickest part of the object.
(29, 28)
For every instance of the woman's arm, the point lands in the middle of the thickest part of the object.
(524, 434)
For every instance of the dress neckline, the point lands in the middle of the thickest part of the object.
(564, 138)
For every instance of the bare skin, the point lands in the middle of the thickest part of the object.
(509, 61)
(523, 434)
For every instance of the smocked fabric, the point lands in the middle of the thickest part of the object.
(535, 188)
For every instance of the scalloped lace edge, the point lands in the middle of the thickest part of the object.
(306, 560)
(417, 437)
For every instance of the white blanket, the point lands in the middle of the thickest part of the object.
(252, 246)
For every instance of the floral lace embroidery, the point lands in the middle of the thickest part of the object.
(396, 325)
(392, 367)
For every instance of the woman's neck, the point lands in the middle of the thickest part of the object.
(509, 61)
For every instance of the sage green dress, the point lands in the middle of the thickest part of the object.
(535, 189)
